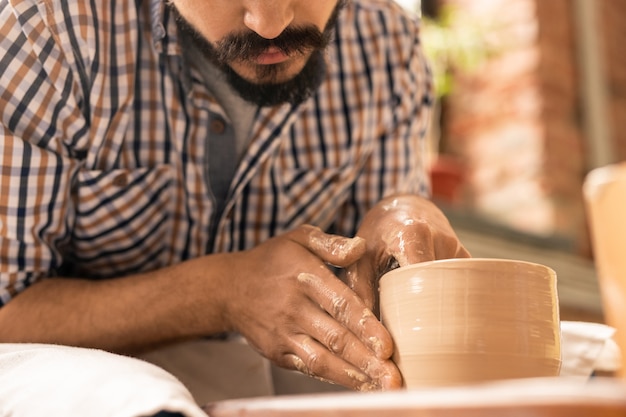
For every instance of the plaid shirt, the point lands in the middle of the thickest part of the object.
(103, 135)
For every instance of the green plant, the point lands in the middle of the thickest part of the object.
(454, 43)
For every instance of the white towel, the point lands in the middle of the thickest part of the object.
(49, 380)
(587, 347)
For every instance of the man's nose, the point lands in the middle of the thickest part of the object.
(268, 18)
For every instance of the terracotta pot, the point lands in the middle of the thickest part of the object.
(447, 176)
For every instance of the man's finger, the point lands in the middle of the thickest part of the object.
(346, 307)
(359, 277)
(333, 249)
(346, 345)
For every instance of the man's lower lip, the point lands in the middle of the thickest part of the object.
(270, 58)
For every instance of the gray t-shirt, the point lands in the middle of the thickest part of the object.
(227, 139)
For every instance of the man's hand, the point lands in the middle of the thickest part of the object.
(289, 305)
(399, 231)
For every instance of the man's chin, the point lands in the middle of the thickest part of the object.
(275, 84)
(268, 74)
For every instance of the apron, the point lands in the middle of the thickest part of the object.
(215, 370)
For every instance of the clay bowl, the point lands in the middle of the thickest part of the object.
(461, 321)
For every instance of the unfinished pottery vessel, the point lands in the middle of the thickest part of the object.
(604, 192)
(460, 321)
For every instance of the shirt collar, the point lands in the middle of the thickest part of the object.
(164, 32)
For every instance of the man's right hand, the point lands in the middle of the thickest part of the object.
(289, 305)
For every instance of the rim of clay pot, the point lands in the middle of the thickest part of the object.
(459, 262)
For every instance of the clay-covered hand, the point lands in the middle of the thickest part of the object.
(400, 230)
(292, 308)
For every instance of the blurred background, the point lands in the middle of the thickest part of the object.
(531, 95)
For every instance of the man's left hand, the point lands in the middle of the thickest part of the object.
(399, 231)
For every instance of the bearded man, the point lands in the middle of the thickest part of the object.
(200, 170)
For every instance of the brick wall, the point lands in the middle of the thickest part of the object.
(516, 121)
(613, 16)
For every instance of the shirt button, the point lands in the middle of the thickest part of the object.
(217, 126)
(120, 180)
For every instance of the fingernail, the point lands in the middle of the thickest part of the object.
(353, 244)
(368, 387)
(386, 382)
(377, 346)
(358, 376)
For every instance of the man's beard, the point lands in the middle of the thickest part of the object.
(246, 46)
